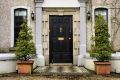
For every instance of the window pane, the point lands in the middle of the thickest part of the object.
(103, 12)
(96, 13)
(22, 13)
(19, 16)
(16, 13)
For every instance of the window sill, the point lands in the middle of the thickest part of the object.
(12, 49)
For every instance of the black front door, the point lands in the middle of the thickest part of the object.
(61, 47)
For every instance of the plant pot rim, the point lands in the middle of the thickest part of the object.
(100, 62)
(28, 61)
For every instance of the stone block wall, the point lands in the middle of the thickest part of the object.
(114, 27)
(5, 20)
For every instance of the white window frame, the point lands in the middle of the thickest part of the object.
(12, 21)
(109, 19)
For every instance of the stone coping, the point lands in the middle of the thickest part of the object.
(115, 56)
(12, 56)
(7, 56)
(88, 56)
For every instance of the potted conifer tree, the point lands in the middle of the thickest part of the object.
(25, 49)
(101, 50)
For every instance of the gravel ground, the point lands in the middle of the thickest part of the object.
(94, 77)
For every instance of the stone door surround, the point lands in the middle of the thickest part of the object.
(45, 30)
(42, 30)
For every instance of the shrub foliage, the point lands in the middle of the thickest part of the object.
(25, 47)
(101, 50)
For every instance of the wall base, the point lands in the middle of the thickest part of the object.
(115, 63)
(7, 63)
(80, 60)
(40, 60)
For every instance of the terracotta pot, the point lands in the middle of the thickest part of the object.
(25, 67)
(102, 67)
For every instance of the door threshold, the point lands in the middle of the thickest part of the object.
(61, 64)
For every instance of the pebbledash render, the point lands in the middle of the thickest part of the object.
(62, 29)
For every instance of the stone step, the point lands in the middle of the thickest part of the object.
(61, 70)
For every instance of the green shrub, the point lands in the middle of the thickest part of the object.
(25, 48)
(101, 50)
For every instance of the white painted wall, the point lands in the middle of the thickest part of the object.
(115, 62)
(7, 63)
(7, 66)
(61, 3)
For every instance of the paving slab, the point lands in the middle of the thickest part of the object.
(61, 70)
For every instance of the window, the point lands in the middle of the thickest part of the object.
(20, 14)
(103, 12)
